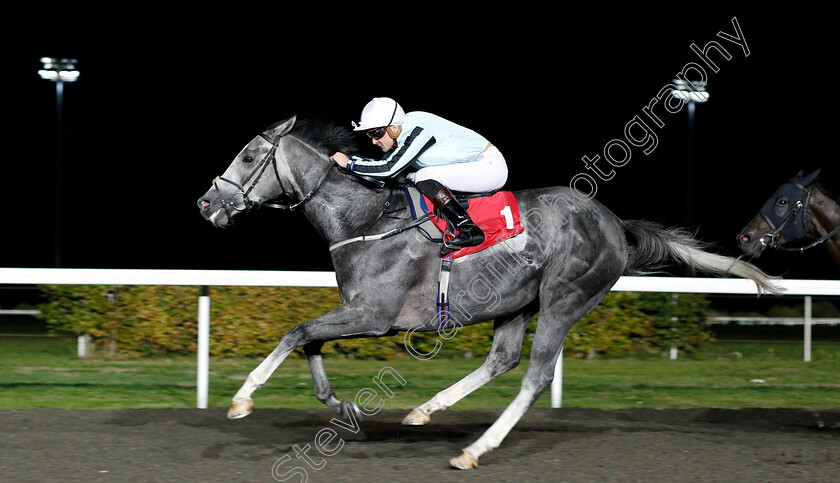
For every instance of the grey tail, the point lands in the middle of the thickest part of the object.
(653, 247)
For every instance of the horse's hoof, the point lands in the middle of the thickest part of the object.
(348, 407)
(464, 462)
(416, 418)
(240, 409)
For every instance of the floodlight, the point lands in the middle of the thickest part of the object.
(59, 70)
(690, 90)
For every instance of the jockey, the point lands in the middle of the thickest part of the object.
(446, 156)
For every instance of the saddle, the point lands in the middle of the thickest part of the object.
(496, 213)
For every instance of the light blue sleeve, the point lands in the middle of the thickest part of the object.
(414, 145)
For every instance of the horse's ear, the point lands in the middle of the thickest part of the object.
(811, 177)
(281, 128)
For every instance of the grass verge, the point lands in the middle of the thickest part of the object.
(45, 373)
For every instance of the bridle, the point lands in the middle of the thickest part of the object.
(771, 239)
(240, 201)
(792, 231)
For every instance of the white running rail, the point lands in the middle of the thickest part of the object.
(204, 278)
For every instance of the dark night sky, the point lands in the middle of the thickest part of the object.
(165, 102)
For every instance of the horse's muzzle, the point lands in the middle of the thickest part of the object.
(212, 209)
(750, 245)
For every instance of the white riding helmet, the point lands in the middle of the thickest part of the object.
(380, 112)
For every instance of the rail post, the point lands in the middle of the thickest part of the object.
(203, 348)
(557, 383)
(806, 356)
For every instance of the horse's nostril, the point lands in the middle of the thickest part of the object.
(203, 204)
(745, 238)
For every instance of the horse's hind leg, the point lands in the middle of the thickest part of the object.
(504, 355)
(560, 307)
(323, 390)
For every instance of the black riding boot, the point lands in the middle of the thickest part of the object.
(468, 233)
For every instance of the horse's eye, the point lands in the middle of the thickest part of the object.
(783, 202)
(247, 160)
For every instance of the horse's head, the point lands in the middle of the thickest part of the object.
(782, 219)
(254, 177)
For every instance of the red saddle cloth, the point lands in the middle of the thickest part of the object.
(496, 215)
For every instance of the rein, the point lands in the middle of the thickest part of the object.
(810, 245)
(381, 236)
(247, 203)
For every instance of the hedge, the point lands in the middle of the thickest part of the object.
(250, 321)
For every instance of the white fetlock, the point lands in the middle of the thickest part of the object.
(240, 409)
(416, 418)
(464, 462)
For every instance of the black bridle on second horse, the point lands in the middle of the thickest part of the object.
(794, 224)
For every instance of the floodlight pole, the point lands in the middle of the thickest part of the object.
(59, 99)
(691, 92)
(58, 71)
(689, 167)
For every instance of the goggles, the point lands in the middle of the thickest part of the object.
(377, 133)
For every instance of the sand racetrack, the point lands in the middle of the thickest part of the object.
(566, 444)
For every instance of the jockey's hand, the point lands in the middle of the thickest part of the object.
(341, 159)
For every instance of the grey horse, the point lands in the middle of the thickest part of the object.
(571, 253)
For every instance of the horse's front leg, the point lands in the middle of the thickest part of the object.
(242, 404)
(342, 322)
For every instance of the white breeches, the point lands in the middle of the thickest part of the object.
(487, 173)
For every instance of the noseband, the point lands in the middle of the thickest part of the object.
(257, 173)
